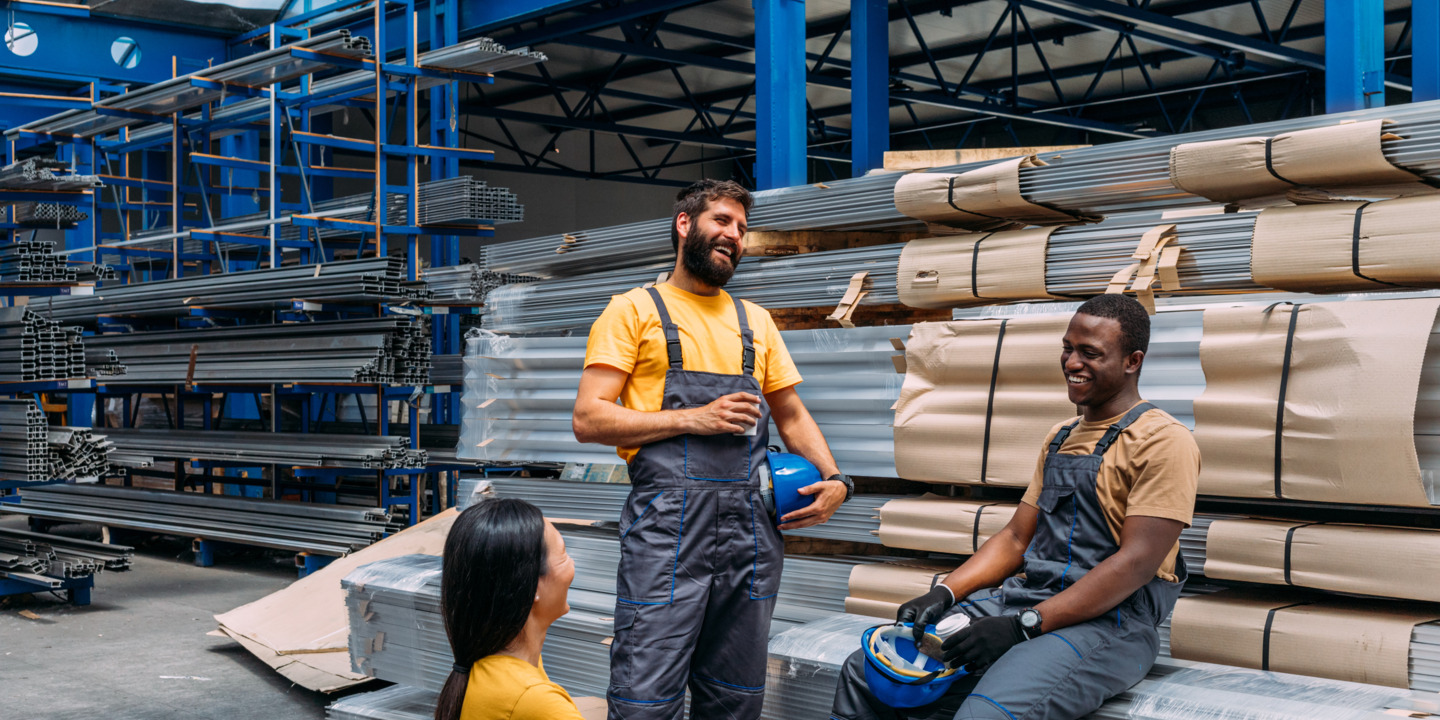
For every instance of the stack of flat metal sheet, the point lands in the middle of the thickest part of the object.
(24, 441)
(57, 216)
(33, 261)
(299, 527)
(809, 280)
(363, 281)
(520, 393)
(398, 702)
(34, 348)
(44, 174)
(142, 447)
(382, 350)
(57, 556)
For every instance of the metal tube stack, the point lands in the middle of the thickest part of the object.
(34, 261)
(48, 558)
(481, 55)
(33, 348)
(44, 174)
(24, 441)
(383, 350)
(461, 200)
(142, 447)
(57, 216)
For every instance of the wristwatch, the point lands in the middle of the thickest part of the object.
(1030, 623)
(849, 484)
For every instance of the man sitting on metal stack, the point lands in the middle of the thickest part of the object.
(1097, 537)
(700, 376)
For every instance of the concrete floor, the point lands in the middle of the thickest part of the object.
(140, 651)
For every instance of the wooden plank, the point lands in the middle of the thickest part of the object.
(904, 160)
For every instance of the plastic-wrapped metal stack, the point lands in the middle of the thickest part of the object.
(363, 281)
(382, 350)
(33, 348)
(33, 261)
(58, 216)
(398, 702)
(141, 447)
(280, 524)
(396, 630)
(44, 174)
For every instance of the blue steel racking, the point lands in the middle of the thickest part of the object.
(153, 176)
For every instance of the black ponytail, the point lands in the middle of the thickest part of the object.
(494, 557)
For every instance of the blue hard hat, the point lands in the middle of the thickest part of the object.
(897, 673)
(785, 474)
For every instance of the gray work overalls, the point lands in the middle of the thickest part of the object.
(1068, 673)
(700, 559)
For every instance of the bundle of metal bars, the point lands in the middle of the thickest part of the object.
(447, 369)
(397, 702)
(141, 447)
(300, 527)
(364, 281)
(94, 272)
(24, 437)
(33, 261)
(520, 393)
(480, 55)
(179, 94)
(461, 200)
(33, 348)
(57, 556)
(48, 215)
(375, 351)
(78, 452)
(44, 174)
(468, 283)
(811, 280)
(1215, 260)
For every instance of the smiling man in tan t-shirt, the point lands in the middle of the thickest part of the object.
(1097, 536)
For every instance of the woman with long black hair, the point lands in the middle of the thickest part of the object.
(505, 581)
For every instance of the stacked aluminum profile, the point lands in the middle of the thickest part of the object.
(377, 351)
(397, 633)
(24, 441)
(142, 447)
(520, 393)
(364, 281)
(1080, 261)
(468, 283)
(461, 200)
(44, 174)
(447, 369)
(57, 557)
(398, 702)
(48, 215)
(33, 261)
(279, 524)
(78, 452)
(34, 349)
(95, 272)
(480, 55)
(811, 280)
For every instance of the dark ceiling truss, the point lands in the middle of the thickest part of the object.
(917, 78)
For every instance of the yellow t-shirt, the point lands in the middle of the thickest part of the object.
(628, 336)
(1152, 469)
(504, 687)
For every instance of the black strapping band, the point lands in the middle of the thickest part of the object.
(1265, 640)
(1290, 537)
(1271, 167)
(950, 200)
(990, 403)
(975, 267)
(975, 532)
(1355, 249)
(1280, 405)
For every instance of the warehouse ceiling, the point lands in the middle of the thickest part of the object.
(668, 82)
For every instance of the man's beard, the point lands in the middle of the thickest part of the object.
(698, 258)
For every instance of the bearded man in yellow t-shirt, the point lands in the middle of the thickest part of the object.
(699, 376)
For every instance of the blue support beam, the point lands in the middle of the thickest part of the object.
(74, 46)
(1425, 44)
(780, 93)
(869, 84)
(498, 13)
(1354, 55)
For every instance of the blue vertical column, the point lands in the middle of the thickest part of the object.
(1425, 41)
(779, 93)
(869, 85)
(1354, 55)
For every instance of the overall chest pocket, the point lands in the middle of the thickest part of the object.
(1063, 474)
(724, 457)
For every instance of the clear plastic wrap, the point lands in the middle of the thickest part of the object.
(805, 663)
(399, 702)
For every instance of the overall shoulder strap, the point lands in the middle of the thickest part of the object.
(747, 338)
(1114, 430)
(1061, 436)
(672, 333)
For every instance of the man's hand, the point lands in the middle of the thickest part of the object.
(829, 494)
(729, 414)
(926, 609)
(983, 642)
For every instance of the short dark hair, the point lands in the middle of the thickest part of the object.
(696, 198)
(1134, 321)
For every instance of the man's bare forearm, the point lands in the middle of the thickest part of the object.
(609, 424)
(998, 559)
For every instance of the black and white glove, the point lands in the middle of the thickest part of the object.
(926, 609)
(983, 642)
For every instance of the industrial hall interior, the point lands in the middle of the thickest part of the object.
(720, 359)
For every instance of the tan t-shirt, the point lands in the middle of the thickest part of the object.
(1151, 470)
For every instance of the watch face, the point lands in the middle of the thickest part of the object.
(1030, 618)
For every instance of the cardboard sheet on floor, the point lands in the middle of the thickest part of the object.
(936, 523)
(985, 199)
(1336, 557)
(1338, 247)
(1354, 640)
(952, 425)
(1347, 418)
(974, 269)
(308, 618)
